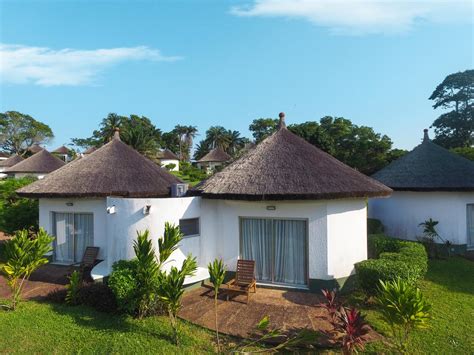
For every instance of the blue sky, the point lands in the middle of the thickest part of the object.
(69, 63)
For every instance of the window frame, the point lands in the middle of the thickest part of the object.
(198, 227)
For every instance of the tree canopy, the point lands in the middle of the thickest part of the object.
(261, 128)
(19, 131)
(455, 128)
(217, 136)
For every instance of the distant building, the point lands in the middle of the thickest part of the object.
(38, 165)
(4, 156)
(63, 154)
(166, 157)
(7, 163)
(215, 158)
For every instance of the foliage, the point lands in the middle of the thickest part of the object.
(124, 285)
(24, 255)
(170, 290)
(217, 136)
(374, 226)
(170, 140)
(350, 329)
(396, 259)
(456, 127)
(170, 166)
(429, 228)
(217, 272)
(98, 296)
(39, 327)
(403, 308)
(261, 128)
(185, 136)
(136, 131)
(189, 173)
(466, 152)
(17, 213)
(331, 304)
(19, 131)
(72, 288)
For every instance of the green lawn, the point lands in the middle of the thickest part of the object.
(449, 287)
(51, 328)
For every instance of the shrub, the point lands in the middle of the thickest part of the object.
(57, 296)
(396, 259)
(374, 226)
(72, 288)
(98, 296)
(170, 166)
(123, 285)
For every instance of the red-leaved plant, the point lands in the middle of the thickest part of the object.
(331, 303)
(351, 328)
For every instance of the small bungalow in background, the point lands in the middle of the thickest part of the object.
(35, 148)
(216, 158)
(295, 210)
(4, 156)
(428, 182)
(62, 153)
(89, 150)
(39, 165)
(167, 158)
(5, 164)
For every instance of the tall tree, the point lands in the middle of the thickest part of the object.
(170, 140)
(217, 136)
(455, 128)
(261, 128)
(19, 131)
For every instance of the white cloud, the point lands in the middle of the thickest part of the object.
(48, 67)
(362, 16)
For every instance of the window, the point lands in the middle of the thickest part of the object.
(189, 226)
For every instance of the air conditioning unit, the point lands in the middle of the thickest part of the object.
(179, 190)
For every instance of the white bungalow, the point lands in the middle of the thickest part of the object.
(216, 158)
(38, 165)
(8, 163)
(429, 182)
(167, 158)
(299, 212)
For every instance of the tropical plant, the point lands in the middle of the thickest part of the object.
(146, 272)
(72, 288)
(24, 255)
(404, 308)
(170, 290)
(169, 243)
(429, 229)
(351, 328)
(331, 303)
(170, 166)
(217, 272)
(185, 135)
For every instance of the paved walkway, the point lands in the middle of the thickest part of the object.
(287, 310)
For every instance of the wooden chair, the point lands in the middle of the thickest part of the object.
(88, 262)
(244, 279)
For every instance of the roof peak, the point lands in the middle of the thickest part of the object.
(281, 123)
(426, 137)
(117, 133)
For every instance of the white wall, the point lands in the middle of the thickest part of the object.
(22, 175)
(402, 213)
(347, 236)
(129, 218)
(95, 206)
(165, 162)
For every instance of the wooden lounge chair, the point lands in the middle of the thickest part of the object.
(88, 262)
(244, 279)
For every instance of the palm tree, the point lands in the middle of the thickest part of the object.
(202, 148)
(236, 142)
(218, 136)
(108, 126)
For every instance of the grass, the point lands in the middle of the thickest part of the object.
(52, 328)
(449, 287)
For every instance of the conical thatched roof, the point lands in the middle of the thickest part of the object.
(13, 160)
(4, 155)
(286, 167)
(35, 148)
(216, 155)
(61, 150)
(429, 167)
(90, 150)
(41, 162)
(166, 154)
(115, 169)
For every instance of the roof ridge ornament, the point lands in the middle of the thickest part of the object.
(117, 133)
(426, 137)
(281, 123)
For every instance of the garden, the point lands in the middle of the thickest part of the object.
(418, 305)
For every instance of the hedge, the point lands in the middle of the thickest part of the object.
(374, 226)
(395, 258)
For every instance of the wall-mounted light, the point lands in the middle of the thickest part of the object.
(271, 208)
(69, 204)
(111, 209)
(147, 210)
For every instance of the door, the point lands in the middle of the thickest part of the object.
(74, 232)
(279, 248)
(470, 226)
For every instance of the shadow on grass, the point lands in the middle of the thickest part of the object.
(456, 274)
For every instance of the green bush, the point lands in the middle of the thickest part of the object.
(124, 285)
(374, 226)
(396, 259)
(17, 213)
(98, 296)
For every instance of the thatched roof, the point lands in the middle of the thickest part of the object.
(216, 155)
(15, 159)
(41, 162)
(4, 155)
(90, 150)
(428, 167)
(286, 167)
(61, 150)
(35, 148)
(166, 154)
(115, 169)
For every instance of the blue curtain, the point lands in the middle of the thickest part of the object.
(257, 245)
(84, 232)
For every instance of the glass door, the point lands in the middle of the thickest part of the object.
(279, 248)
(74, 232)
